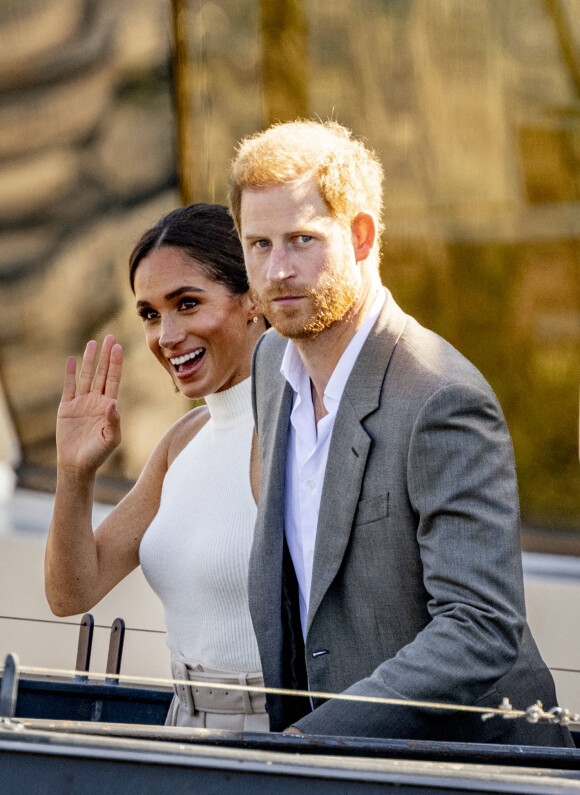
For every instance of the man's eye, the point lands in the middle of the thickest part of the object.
(305, 238)
(262, 243)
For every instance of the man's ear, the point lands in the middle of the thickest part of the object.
(364, 231)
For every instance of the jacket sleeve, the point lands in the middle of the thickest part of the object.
(462, 488)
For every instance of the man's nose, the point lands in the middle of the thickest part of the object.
(280, 265)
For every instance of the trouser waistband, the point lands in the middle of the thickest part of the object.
(196, 698)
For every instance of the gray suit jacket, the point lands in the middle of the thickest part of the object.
(417, 588)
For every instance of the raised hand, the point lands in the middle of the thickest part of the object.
(88, 427)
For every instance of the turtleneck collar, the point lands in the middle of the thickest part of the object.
(229, 406)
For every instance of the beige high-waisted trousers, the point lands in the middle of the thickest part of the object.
(211, 708)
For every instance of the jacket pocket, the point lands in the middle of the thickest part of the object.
(372, 509)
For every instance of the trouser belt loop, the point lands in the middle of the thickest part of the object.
(247, 701)
(183, 691)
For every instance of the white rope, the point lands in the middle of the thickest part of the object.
(533, 713)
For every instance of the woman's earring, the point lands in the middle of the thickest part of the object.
(255, 318)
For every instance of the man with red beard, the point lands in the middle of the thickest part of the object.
(386, 559)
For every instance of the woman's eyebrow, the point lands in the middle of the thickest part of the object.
(175, 293)
(184, 289)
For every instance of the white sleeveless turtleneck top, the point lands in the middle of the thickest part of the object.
(195, 552)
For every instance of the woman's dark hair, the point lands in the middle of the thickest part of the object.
(206, 233)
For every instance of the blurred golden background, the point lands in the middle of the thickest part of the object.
(114, 111)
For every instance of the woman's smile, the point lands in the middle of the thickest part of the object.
(187, 365)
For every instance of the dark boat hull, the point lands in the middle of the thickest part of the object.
(87, 737)
(33, 761)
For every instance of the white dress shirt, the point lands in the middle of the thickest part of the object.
(308, 451)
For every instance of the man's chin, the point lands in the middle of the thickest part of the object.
(291, 331)
(288, 324)
(296, 323)
(296, 330)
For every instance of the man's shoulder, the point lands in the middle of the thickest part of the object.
(400, 345)
(268, 383)
(419, 361)
(425, 364)
(267, 379)
(435, 355)
(269, 350)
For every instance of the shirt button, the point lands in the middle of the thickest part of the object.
(311, 484)
(311, 553)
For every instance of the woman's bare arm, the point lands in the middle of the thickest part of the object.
(81, 566)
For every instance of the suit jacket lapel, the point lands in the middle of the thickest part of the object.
(273, 590)
(267, 551)
(349, 448)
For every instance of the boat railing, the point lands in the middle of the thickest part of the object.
(109, 704)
